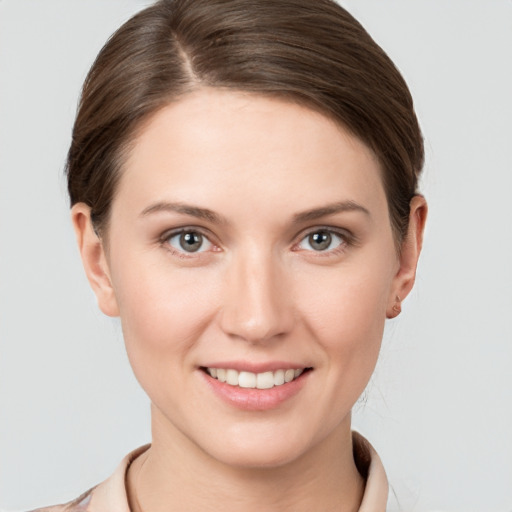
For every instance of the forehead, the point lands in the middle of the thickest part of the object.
(213, 142)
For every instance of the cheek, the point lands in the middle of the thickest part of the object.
(347, 310)
(349, 300)
(163, 312)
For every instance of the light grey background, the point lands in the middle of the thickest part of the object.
(439, 408)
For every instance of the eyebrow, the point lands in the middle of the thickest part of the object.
(185, 209)
(330, 209)
(211, 216)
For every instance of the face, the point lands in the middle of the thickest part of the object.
(250, 240)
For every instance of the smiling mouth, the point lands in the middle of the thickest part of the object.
(249, 380)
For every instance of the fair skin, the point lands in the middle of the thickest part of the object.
(268, 279)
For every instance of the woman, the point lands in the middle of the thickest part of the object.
(243, 184)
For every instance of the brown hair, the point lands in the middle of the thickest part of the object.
(309, 51)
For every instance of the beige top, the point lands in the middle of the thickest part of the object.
(110, 496)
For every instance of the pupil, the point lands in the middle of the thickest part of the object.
(320, 241)
(191, 242)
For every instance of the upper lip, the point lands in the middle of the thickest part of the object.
(253, 367)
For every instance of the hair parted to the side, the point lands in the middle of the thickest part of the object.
(312, 52)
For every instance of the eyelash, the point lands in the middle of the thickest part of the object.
(168, 235)
(346, 240)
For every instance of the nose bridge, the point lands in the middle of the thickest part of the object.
(257, 306)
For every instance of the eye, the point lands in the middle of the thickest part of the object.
(189, 241)
(322, 240)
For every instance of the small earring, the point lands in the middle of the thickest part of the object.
(397, 307)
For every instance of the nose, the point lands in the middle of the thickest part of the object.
(258, 305)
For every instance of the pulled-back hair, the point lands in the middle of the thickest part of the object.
(311, 52)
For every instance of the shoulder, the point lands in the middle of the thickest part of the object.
(371, 469)
(79, 504)
(110, 495)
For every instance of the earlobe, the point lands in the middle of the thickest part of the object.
(409, 256)
(94, 259)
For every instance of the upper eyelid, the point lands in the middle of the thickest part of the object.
(342, 232)
(164, 241)
(348, 239)
(186, 229)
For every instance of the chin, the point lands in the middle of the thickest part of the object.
(260, 455)
(259, 446)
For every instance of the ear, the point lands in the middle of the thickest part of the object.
(94, 259)
(409, 255)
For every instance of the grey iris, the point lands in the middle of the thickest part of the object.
(191, 242)
(320, 240)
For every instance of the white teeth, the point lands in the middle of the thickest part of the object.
(265, 380)
(279, 378)
(247, 380)
(232, 377)
(289, 375)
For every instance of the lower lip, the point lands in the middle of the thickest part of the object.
(249, 399)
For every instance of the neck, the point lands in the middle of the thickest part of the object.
(174, 474)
